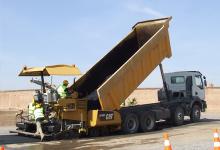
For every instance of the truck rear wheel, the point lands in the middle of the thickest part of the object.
(130, 124)
(147, 122)
(178, 116)
(195, 114)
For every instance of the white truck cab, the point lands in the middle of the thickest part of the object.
(186, 83)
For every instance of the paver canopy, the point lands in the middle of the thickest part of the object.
(51, 70)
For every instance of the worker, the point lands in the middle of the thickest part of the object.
(62, 89)
(31, 108)
(39, 114)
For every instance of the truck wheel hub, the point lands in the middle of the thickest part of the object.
(179, 115)
(131, 124)
(148, 122)
(197, 113)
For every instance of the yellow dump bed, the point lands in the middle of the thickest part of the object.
(120, 72)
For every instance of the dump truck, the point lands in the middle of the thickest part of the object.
(96, 108)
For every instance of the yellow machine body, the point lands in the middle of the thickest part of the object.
(76, 110)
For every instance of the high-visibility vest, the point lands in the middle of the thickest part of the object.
(38, 113)
(61, 91)
(31, 108)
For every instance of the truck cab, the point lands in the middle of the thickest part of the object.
(186, 84)
(184, 95)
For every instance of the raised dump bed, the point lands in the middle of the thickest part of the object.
(119, 72)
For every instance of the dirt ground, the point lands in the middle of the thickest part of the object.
(190, 136)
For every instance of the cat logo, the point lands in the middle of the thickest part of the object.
(106, 115)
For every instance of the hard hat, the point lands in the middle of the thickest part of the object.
(65, 82)
(38, 105)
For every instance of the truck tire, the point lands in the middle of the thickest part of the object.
(178, 116)
(130, 123)
(147, 122)
(195, 113)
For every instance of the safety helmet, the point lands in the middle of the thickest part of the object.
(38, 105)
(65, 82)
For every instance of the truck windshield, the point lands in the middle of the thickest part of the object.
(198, 81)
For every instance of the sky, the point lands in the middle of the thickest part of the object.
(40, 33)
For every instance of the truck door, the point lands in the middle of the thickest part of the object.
(189, 84)
(198, 87)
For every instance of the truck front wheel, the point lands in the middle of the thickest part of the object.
(195, 114)
(178, 116)
(130, 123)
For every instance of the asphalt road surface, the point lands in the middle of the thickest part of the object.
(190, 136)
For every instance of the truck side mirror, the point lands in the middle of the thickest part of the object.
(205, 83)
(204, 80)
